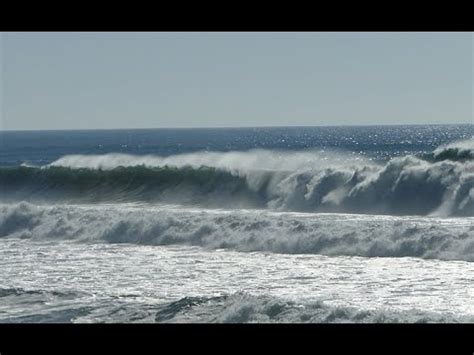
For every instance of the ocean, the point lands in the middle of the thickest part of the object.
(356, 224)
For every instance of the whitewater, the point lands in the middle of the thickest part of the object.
(328, 224)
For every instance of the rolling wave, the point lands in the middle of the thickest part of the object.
(49, 307)
(298, 181)
(245, 230)
(245, 308)
(459, 151)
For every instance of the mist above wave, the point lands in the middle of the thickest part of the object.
(234, 161)
(277, 160)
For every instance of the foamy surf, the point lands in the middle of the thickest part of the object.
(233, 308)
(246, 231)
(300, 231)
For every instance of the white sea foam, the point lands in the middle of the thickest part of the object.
(326, 234)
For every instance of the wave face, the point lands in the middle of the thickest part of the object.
(298, 181)
(246, 231)
(206, 186)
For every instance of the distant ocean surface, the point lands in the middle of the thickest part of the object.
(287, 224)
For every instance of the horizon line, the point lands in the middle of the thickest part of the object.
(231, 127)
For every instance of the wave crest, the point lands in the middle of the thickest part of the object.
(457, 151)
(299, 182)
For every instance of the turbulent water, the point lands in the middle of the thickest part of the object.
(329, 224)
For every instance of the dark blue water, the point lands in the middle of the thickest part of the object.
(380, 142)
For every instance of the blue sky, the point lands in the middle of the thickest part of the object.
(152, 80)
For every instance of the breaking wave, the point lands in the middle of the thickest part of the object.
(245, 230)
(286, 181)
(460, 151)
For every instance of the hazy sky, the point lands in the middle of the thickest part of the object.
(148, 80)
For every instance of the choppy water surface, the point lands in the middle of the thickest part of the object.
(331, 224)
